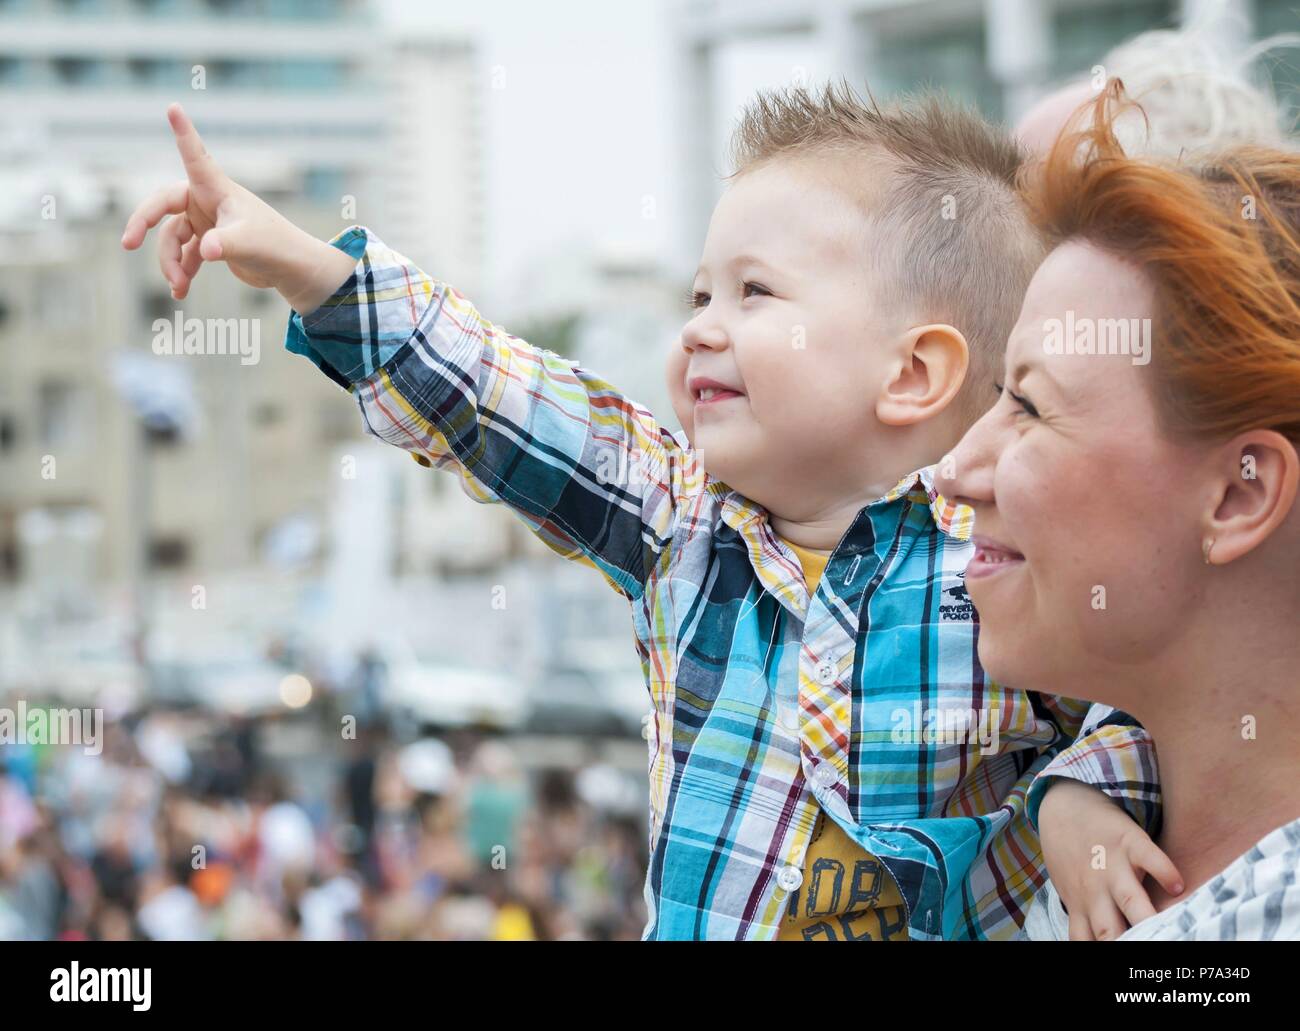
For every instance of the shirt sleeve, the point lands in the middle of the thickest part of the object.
(1112, 752)
(1046, 918)
(591, 473)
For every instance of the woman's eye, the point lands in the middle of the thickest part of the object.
(697, 299)
(1023, 404)
(761, 290)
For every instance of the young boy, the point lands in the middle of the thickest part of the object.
(827, 759)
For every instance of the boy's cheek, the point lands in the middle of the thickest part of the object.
(683, 404)
(688, 430)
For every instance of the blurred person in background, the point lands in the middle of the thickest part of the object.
(38, 896)
(1195, 94)
(497, 800)
(461, 843)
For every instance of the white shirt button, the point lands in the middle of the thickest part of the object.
(824, 775)
(647, 727)
(825, 673)
(789, 877)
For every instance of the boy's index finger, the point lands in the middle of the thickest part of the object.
(199, 165)
(1153, 860)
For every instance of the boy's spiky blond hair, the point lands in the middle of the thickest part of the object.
(951, 241)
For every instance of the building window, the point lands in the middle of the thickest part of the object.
(267, 414)
(237, 74)
(313, 9)
(11, 71)
(156, 305)
(1082, 36)
(152, 71)
(10, 564)
(324, 185)
(169, 552)
(62, 413)
(229, 8)
(77, 71)
(951, 59)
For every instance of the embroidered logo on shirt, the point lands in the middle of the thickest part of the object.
(958, 606)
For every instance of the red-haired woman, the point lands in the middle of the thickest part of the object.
(1138, 538)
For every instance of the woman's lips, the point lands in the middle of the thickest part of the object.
(992, 558)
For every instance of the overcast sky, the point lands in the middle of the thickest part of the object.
(583, 130)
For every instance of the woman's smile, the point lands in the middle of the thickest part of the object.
(991, 558)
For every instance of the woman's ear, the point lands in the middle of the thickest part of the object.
(1254, 494)
(928, 375)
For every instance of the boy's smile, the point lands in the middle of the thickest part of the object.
(710, 391)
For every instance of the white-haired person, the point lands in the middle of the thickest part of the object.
(1193, 94)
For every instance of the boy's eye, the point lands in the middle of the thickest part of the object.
(699, 299)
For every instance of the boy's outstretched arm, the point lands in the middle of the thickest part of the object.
(1096, 806)
(592, 474)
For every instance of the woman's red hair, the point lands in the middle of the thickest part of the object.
(1219, 242)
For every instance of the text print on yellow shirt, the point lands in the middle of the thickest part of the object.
(847, 894)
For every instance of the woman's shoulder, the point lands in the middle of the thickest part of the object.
(1255, 898)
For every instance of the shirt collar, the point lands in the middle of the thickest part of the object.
(955, 520)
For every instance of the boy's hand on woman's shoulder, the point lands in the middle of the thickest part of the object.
(216, 219)
(1097, 857)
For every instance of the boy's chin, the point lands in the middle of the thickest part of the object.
(738, 476)
(716, 450)
(738, 452)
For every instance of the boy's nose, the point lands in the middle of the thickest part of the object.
(699, 333)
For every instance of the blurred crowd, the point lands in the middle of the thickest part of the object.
(188, 827)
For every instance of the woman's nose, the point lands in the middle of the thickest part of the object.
(965, 474)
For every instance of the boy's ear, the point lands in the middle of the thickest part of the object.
(929, 370)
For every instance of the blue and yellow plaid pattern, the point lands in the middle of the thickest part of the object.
(768, 704)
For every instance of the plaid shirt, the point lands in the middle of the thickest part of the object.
(768, 703)
(1101, 759)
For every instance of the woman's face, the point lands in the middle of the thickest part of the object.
(1086, 514)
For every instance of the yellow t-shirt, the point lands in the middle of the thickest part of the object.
(847, 894)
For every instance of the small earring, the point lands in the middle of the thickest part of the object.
(1206, 548)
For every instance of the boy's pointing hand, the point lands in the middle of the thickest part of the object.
(216, 219)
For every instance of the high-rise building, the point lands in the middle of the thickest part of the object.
(335, 119)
